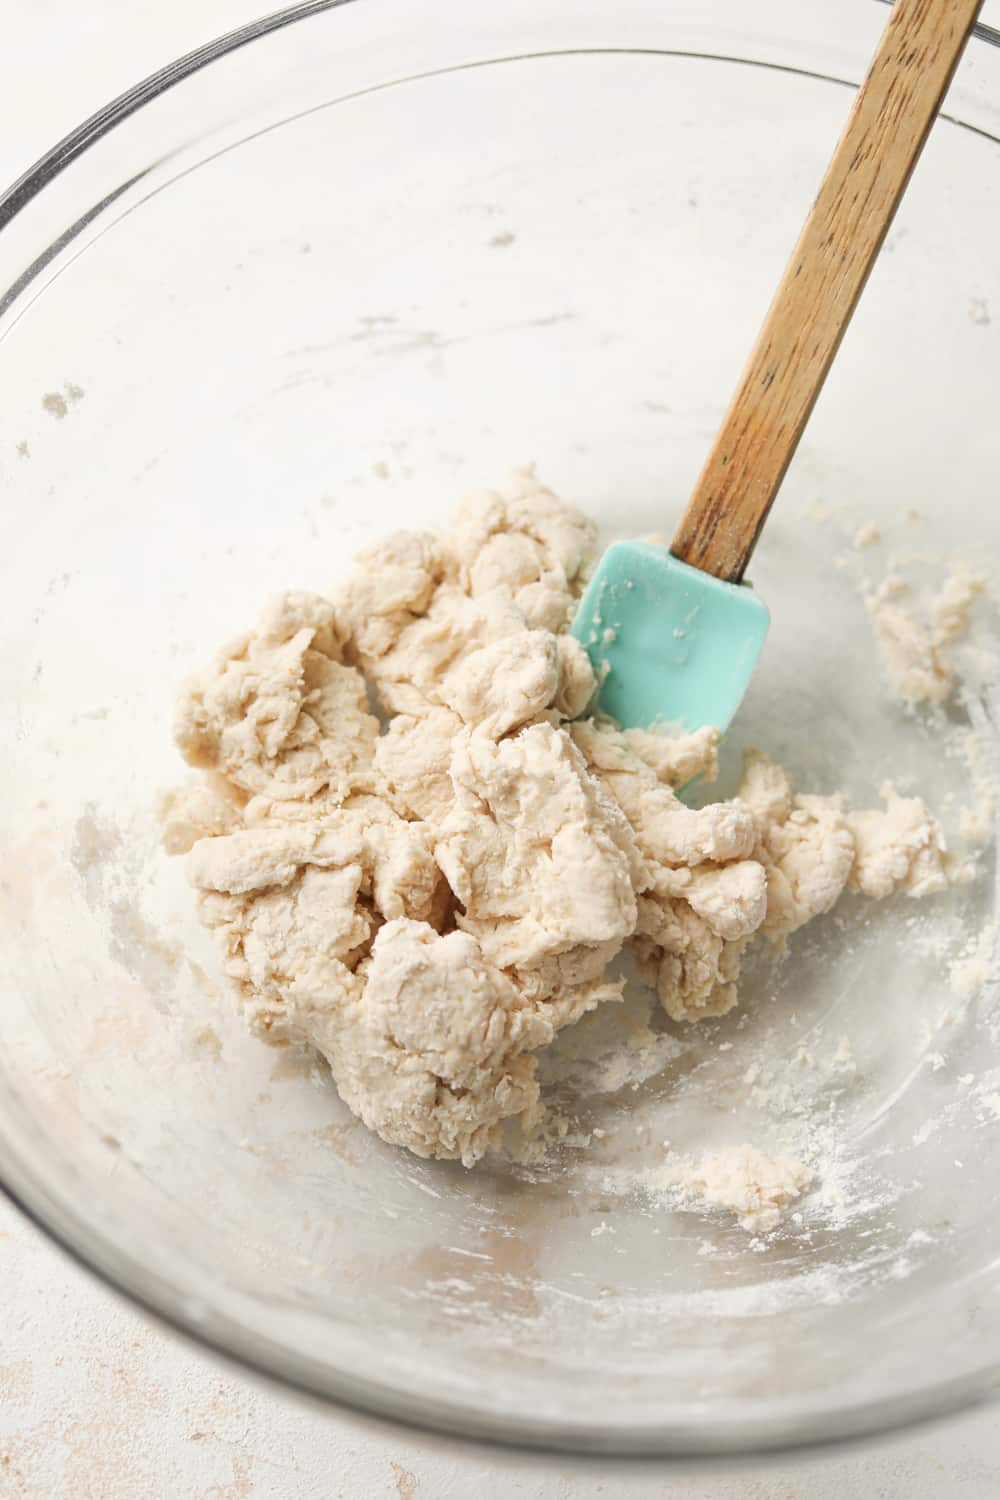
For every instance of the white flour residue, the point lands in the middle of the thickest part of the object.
(754, 1185)
(976, 967)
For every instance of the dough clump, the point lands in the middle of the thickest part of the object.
(914, 651)
(429, 901)
(754, 1185)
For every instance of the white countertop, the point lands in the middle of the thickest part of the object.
(98, 1403)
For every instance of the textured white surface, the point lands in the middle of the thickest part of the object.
(98, 1404)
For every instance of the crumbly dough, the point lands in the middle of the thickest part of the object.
(430, 901)
(952, 605)
(754, 1185)
(914, 653)
(915, 667)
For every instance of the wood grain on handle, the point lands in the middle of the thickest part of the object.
(888, 125)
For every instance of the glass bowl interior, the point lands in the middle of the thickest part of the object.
(313, 286)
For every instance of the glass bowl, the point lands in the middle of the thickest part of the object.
(312, 282)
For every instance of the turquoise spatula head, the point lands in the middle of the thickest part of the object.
(670, 644)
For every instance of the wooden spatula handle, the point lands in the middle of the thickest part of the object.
(882, 140)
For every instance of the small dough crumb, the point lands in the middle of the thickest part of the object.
(914, 665)
(950, 608)
(752, 1184)
(912, 649)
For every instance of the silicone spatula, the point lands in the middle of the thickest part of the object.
(674, 635)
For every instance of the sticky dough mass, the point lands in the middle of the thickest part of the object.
(428, 904)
